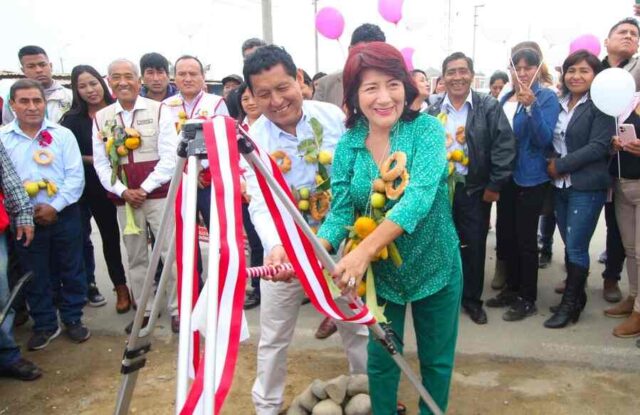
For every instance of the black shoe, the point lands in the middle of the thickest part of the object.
(251, 301)
(573, 298)
(175, 324)
(145, 321)
(78, 332)
(602, 258)
(544, 260)
(519, 310)
(95, 299)
(504, 299)
(41, 339)
(582, 302)
(476, 313)
(22, 369)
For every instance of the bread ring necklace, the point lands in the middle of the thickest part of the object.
(378, 163)
(43, 157)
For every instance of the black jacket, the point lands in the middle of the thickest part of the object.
(490, 142)
(587, 137)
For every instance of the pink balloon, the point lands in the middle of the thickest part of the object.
(390, 10)
(587, 42)
(330, 23)
(407, 54)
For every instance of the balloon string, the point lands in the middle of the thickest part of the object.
(344, 56)
(618, 152)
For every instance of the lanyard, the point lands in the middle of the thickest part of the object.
(195, 105)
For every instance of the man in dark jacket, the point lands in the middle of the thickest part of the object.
(622, 45)
(481, 149)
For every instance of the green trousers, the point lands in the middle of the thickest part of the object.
(435, 320)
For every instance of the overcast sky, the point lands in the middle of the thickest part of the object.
(96, 32)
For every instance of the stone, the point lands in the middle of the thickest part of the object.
(307, 399)
(359, 404)
(358, 384)
(318, 388)
(296, 409)
(337, 389)
(327, 407)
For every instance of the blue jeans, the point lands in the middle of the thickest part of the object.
(9, 352)
(56, 258)
(577, 215)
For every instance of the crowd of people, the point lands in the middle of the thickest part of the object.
(408, 169)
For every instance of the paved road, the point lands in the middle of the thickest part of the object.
(589, 342)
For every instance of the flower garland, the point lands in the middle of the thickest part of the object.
(118, 142)
(458, 156)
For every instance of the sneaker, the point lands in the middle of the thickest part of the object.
(520, 310)
(22, 369)
(544, 260)
(175, 324)
(611, 291)
(95, 298)
(78, 332)
(145, 321)
(251, 301)
(41, 338)
(326, 329)
(602, 258)
(504, 299)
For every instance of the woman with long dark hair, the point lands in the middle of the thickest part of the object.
(90, 94)
(414, 216)
(580, 177)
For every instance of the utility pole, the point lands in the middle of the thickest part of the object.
(449, 28)
(475, 29)
(315, 34)
(267, 28)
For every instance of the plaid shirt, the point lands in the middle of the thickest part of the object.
(16, 200)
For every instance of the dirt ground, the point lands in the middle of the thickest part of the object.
(84, 379)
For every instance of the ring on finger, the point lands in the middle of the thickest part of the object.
(352, 282)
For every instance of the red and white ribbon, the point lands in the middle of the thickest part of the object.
(299, 250)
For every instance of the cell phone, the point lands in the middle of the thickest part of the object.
(627, 133)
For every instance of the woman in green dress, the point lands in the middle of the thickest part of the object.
(388, 146)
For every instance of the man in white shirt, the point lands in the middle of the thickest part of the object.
(148, 168)
(286, 121)
(35, 65)
(192, 102)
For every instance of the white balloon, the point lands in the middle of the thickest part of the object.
(612, 91)
(414, 15)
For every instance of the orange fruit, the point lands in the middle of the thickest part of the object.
(362, 289)
(457, 155)
(122, 151)
(132, 143)
(363, 226)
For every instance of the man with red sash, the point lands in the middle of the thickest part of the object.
(147, 168)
